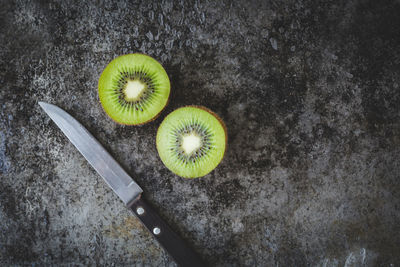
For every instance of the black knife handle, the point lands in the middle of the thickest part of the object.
(169, 240)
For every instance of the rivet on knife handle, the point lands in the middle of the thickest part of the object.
(169, 240)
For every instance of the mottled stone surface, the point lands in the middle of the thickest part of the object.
(310, 96)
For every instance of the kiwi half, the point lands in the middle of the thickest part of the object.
(134, 89)
(191, 141)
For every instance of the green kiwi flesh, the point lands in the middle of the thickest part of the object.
(191, 141)
(133, 89)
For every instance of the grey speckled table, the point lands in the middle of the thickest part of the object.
(311, 99)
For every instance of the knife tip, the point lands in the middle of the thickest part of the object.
(42, 104)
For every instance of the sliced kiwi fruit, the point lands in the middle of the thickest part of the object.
(191, 141)
(134, 89)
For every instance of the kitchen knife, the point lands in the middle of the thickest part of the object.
(123, 185)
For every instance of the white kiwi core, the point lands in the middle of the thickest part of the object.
(190, 143)
(133, 89)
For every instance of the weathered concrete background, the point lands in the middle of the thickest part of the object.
(310, 95)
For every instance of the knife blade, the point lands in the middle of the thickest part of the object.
(123, 185)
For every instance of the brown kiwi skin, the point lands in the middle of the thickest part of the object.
(217, 117)
(137, 124)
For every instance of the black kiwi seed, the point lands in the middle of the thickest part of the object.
(187, 129)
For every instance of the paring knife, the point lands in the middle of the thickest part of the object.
(123, 185)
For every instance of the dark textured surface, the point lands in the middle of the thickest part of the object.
(311, 99)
